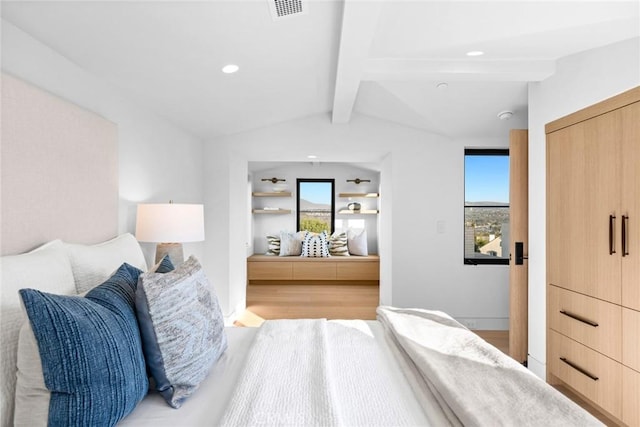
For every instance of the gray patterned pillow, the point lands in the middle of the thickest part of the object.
(338, 244)
(182, 329)
(273, 243)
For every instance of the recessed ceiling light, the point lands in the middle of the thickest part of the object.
(475, 53)
(312, 156)
(442, 85)
(230, 68)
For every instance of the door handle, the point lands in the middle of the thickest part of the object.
(520, 253)
(612, 242)
(625, 235)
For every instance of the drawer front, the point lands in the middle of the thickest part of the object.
(631, 338)
(272, 270)
(606, 391)
(576, 316)
(630, 397)
(314, 270)
(358, 270)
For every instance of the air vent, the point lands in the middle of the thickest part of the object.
(281, 9)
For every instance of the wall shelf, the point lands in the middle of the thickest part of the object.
(271, 194)
(363, 195)
(271, 211)
(359, 212)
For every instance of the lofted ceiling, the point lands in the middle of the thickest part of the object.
(380, 58)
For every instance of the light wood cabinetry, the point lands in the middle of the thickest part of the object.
(269, 269)
(593, 254)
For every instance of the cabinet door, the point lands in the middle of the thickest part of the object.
(630, 184)
(630, 397)
(275, 270)
(583, 212)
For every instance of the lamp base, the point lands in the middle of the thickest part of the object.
(174, 250)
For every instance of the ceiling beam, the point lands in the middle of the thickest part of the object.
(457, 70)
(359, 22)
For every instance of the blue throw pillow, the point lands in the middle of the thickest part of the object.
(90, 349)
(164, 266)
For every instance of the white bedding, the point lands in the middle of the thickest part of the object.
(206, 406)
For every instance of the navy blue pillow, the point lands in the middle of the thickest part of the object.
(91, 352)
(164, 266)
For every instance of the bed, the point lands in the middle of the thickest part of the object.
(410, 367)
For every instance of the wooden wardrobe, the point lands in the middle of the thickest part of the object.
(593, 255)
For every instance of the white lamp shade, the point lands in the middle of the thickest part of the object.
(170, 223)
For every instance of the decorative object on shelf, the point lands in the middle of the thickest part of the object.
(273, 180)
(170, 225)
(354, 206)
(358, 180)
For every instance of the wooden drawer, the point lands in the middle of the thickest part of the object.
(321, 270)
(274, 270)
(605, 391)
(358, 270)
(630, 397)
(631, 338)
(581, 314)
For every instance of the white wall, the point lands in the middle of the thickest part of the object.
(421, 183)
(157, 161)
(264, 225)
(580, 80)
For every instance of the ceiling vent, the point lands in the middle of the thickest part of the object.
(281, 9)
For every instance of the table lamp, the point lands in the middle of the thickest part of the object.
(170, 225)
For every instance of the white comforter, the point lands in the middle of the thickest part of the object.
(333, 373)
(319, 373)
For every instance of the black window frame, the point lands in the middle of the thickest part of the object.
(332, 181)
(488, 260)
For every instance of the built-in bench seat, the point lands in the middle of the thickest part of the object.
(269, 269)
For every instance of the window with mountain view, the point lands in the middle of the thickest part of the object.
(315, 206)
(486, 206)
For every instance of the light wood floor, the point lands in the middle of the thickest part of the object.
(287, 301)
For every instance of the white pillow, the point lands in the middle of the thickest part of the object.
(32, 395)
(357, 242)
(291, 243)
(93, 264)
(46, 268)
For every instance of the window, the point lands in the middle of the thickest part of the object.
(315, 205)
(486, 206)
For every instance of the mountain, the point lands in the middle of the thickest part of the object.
(306, 205)
(480, 204)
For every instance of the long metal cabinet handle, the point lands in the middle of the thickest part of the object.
(612, 243)
(579, 318)
(625, 235)
(579, 369)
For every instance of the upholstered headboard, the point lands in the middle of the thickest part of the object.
(59, 170)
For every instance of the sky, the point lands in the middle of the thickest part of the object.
(486, 179)
(316, 192)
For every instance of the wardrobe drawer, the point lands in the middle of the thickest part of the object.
(592, 322)
(595, 376)
(631, 338)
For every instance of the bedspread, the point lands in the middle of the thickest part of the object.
(480, 385)
(318, 372)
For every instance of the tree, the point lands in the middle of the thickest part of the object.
(313, 225)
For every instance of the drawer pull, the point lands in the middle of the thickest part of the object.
(579, 369)
(579, 318)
